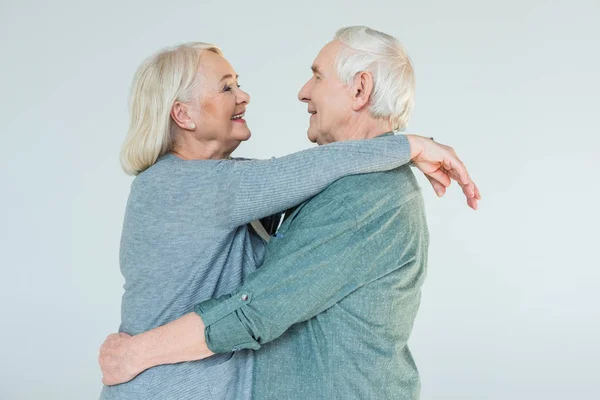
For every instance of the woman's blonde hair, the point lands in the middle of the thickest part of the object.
(164, 78)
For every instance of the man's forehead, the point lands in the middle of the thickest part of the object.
(326, 56)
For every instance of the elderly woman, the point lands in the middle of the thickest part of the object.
(186, 236)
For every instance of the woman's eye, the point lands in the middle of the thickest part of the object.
(227, 88)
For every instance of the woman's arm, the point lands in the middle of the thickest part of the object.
(265, 187)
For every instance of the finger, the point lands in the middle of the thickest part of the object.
(457, 168)
(468, 189)
(477, 194)
(440, 176)
(439, 189)
(473, 203)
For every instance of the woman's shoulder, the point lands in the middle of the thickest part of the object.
(176, 175)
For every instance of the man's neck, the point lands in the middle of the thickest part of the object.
(366, 128)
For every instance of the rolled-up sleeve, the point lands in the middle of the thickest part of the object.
(225, 332)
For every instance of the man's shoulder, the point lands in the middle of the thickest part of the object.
(398, 185)
(360, 196)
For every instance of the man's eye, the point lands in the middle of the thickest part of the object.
(227, 89)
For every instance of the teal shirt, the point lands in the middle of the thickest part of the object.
(333, 304)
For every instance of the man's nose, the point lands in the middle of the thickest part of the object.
(304, 93)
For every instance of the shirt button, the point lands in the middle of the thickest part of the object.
(244, 297)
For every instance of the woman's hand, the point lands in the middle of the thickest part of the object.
(441, 165)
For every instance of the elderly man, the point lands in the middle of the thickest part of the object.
(331, 309)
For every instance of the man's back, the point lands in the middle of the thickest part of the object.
(372, 229)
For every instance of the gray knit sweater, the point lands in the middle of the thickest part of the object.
(185, 240)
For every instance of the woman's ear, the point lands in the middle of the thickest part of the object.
(179, 114)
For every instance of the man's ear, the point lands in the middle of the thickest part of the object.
(179, 114)
(362, 89)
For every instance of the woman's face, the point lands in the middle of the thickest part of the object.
(219, 109)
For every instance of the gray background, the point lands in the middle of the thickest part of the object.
(510, 306)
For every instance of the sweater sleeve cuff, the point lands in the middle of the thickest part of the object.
(224, 331)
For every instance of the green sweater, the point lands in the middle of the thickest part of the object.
(331, 309)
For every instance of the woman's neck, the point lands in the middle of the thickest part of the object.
(201, 150)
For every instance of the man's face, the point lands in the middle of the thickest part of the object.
(328, 100)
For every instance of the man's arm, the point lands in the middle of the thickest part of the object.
(122, 357)
(326, 255)
(322, 259)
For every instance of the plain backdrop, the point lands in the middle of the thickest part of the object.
(510, 304)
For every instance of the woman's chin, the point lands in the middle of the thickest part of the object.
(243, 136)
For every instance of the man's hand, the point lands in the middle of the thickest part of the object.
(123, 357)
(441, 165)
(117, 359)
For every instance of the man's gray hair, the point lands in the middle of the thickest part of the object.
(384, 57)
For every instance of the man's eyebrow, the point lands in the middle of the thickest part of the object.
(228, 76)
(315, 69)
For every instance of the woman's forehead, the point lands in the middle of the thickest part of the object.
(215, 67)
